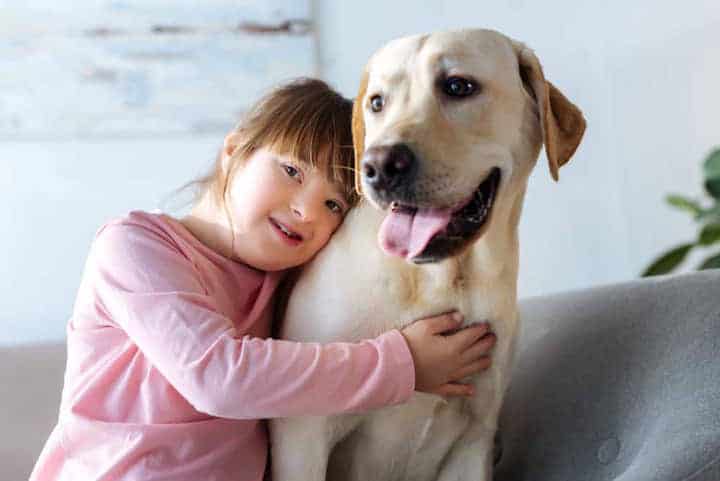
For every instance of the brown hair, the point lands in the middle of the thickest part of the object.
(303, 118)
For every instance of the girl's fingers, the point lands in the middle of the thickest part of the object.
(469, 335)
(444, 322)
(473, 368)
(481, 348)
(455, 389)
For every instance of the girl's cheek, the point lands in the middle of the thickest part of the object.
(334, 228)
(326, 238)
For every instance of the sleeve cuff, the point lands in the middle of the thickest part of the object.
(400, 357)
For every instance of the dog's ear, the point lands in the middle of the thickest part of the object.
(358, 129)
(561, 121)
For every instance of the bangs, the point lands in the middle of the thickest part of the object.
(314, 128)
(323, 150)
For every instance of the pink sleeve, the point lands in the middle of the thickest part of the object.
(153, 292)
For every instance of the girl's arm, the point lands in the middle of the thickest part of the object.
(153, 292)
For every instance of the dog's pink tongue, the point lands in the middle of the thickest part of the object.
(406, 235)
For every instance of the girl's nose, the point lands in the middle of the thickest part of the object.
(298, 212)
(307, 203)
(304, 209)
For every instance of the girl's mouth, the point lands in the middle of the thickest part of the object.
(288, 235)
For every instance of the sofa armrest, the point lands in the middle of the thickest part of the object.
(617, 382)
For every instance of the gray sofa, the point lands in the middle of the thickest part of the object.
(619, 382)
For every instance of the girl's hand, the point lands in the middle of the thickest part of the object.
(443, 359)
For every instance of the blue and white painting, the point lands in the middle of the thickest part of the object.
(129, 68)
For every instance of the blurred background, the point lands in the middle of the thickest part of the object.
(110, 105)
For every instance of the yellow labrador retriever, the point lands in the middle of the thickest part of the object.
(447, 128)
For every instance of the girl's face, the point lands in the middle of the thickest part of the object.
(283, 211)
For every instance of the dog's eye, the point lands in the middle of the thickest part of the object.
(376, 103)
(458, 87)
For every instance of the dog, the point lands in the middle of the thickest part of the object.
(446, 129)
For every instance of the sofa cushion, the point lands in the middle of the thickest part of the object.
(31, 377)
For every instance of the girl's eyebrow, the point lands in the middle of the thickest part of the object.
(338, 196)
(303, 167)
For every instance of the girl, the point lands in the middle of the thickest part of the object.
(170, 367)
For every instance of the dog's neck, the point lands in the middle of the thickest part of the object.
(494, 256)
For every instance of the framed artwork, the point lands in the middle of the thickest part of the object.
(135, 68)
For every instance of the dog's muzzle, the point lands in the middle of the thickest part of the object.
(388, 169)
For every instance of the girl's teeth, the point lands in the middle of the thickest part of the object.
(287, 232)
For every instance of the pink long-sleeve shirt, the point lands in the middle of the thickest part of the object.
(170, 371)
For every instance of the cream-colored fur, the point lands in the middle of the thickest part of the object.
(353, 290)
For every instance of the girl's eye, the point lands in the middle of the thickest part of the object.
(334, 206)
(291, 171)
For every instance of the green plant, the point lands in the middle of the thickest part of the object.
(707, 217)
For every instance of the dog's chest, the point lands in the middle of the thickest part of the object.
(412, 293)
(398, 443)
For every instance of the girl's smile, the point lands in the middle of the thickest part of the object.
(286, 233)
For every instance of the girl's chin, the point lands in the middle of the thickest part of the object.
(274, 258)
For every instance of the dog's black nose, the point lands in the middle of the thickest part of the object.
(387, 167)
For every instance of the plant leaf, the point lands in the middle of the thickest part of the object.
(712, 187)
(712, 165)
(683, 203)
(711, 168)
(712, 214)
(709, 234)
(668, 261)
(711, 263)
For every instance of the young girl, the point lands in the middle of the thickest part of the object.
(170, 370)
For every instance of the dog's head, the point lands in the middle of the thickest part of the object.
(446, 128)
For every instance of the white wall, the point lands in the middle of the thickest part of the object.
(54, 195)
(645, 74)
